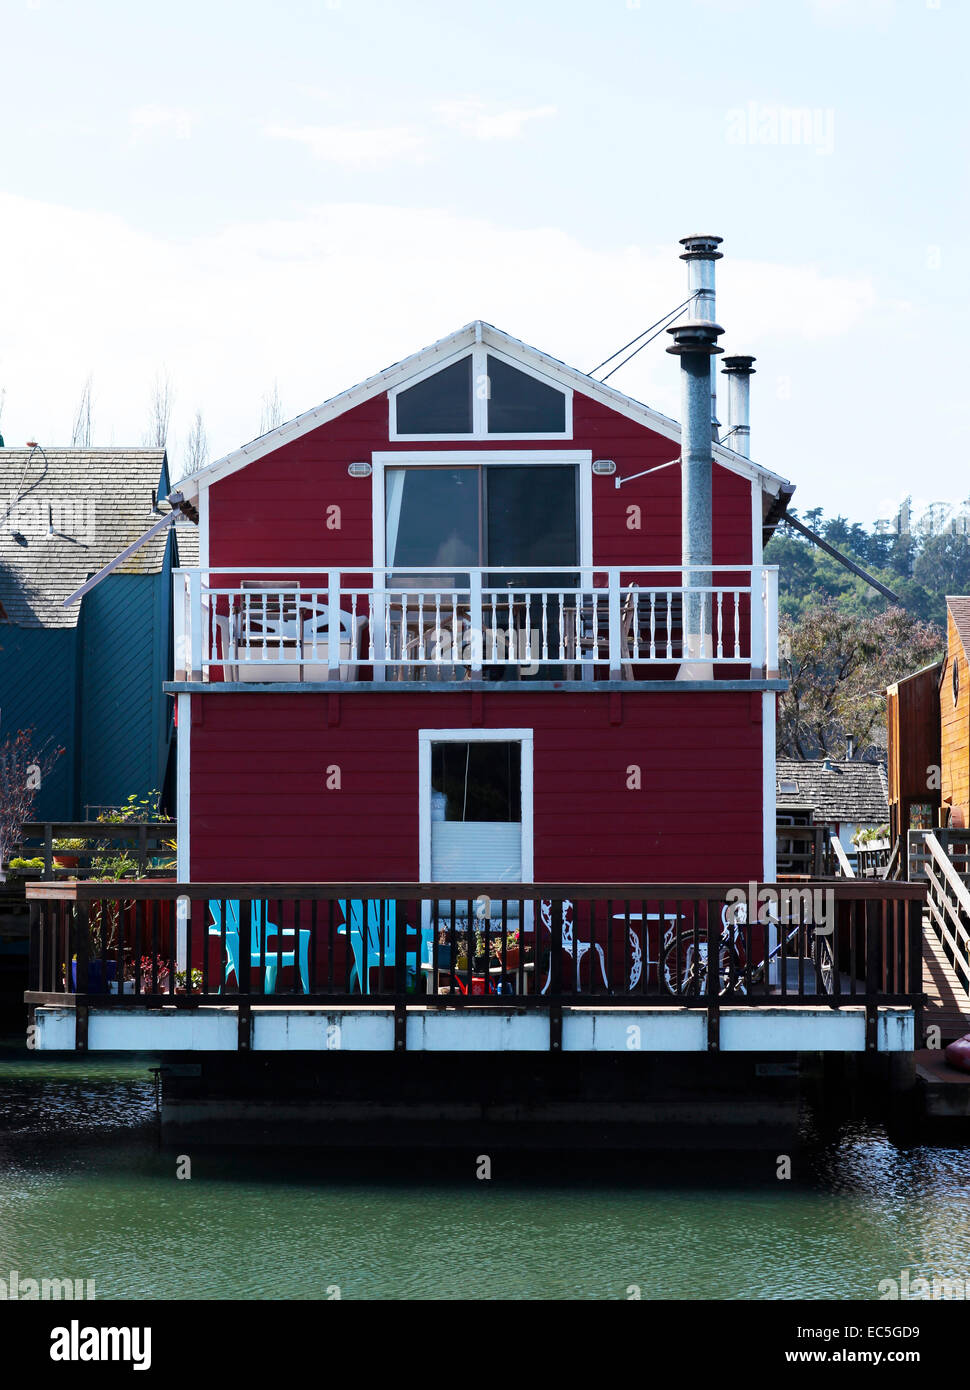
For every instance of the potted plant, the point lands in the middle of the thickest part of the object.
(96, 985)
(142, 971)
(511, 948)
(20, 868)
(66, 851)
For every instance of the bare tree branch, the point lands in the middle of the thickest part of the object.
(196, 454)
(81, 432)
(272, 412)
(24, 765)
(160, 410)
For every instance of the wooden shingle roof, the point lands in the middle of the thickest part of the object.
(959, 606)
(837, 790)
(66, 512)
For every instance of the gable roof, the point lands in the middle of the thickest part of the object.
(837, 790)
(66, 512)
(478, 331)
(959, 606)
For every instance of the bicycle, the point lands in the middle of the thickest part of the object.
(685, 959)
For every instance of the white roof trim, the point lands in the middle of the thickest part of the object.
(478, 331)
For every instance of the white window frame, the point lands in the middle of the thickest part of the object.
(426, 737)
(479, 353)
(447, 458)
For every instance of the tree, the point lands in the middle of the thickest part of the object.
(23, 766)
(943, 564)
(838, 665)
(197, 449)
(81, 432)
(272, 412)
(160, 411)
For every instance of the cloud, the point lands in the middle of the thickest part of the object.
(337, 294)
(472, 117)
(351, 146)
(144, 121)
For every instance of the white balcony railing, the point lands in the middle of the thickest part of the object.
(316, 625)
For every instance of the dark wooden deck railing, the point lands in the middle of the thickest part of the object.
(143, 840)
(803, 851)
(155, 943)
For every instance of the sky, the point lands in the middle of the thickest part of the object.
(249, 198)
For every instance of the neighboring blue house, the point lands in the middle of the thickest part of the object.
(90, 676)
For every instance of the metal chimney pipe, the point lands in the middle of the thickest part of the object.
(700, 253)
(739, 372)
(695, 343)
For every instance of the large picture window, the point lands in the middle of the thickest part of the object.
(506, 515)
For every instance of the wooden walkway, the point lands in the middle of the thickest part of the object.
(947, 1004)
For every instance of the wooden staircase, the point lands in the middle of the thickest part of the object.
(946, 941)
(947, 1002)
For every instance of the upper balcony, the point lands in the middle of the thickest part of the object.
(306, 627)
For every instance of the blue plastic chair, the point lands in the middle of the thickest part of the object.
(365, 940)
(271, 958)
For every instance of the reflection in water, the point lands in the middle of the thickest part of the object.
(85, 1192)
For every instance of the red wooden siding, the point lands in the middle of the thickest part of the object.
(273, 512)
(259, 798)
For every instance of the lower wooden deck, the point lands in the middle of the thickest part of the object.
(793, 1028)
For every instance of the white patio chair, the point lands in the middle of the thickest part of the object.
(315, 640)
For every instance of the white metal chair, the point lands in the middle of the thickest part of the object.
(576, 949)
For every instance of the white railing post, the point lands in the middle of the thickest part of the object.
(613, 591)
(771, 622)
(333, 626)
(195, 623)
(178, 601)
(758, 600)
(476, 616)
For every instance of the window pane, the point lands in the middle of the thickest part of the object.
(432, 517)
(441, 404)
(475, 781)
(519, 404)
(532, 516)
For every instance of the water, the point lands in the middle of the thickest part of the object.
(86, 1192)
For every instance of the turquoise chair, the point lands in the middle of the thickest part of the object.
(365, 940)
(284, 958)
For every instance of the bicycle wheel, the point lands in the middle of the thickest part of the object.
(823, 959)
(684, 971)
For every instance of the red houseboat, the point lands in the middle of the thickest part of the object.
(480, 627)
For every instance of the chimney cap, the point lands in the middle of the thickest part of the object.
(696, 335)
(738, 365)
(701, 248)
